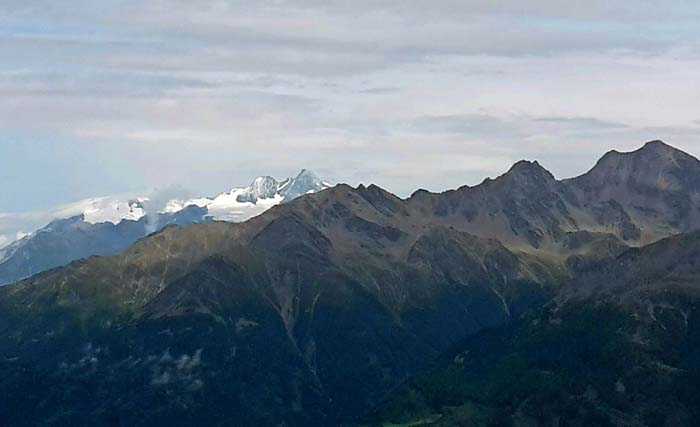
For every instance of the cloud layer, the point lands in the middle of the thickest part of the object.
(122, 96)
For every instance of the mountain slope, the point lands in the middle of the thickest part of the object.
(618, 346)
(346, 326)
(315, 311)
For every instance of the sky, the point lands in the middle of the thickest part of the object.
(113, 97)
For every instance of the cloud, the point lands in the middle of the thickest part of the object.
(467, 124)
(181, 371)
(123, 96)
(380, 90)
(91, 84)
(587, 123)
(513, 127)
(323, 39)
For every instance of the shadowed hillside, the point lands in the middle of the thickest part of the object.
(322, 310)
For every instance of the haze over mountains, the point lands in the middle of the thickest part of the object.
(108, 225)
(519, 301)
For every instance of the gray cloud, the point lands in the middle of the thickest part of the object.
(316, 39)
(511, 126)
(380, 90)
(469, 124)
(92, 84)
(586, 123)
(120, 96)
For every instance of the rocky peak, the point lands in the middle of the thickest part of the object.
(380, 199)
(262, 187)
(657, 146)
(305, 182)
(526, 167)
(266, 187)
(656, 166)
(526, 174)
(655, 151)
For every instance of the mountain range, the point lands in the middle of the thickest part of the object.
(107, 226)
(524, 300)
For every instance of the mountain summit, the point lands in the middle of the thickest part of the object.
(656, 188)
(637, 197)
(304, 183)
(266, 187)
(655, 166)
(242, 203)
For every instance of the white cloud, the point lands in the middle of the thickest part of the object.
(132, 95)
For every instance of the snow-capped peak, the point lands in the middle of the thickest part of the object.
(264, 192)
(106, 209)
(238, 204)
(263, 187)
(305, 182)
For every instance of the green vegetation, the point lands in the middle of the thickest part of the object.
(582, 364)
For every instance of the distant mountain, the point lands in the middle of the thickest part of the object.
(239, 204)
(524, 300)
(66, 240)
(107, 226)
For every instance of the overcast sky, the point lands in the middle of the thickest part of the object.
(104, 97)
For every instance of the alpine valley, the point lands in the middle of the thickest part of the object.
(522, 301)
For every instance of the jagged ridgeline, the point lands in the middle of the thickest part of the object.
(521, 301)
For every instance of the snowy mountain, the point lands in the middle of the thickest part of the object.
(109, 225)
(240, 204)
(16, 225)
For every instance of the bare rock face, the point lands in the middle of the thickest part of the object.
(639, 197)
(654, 167)
(656, 191)
(526, 208)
